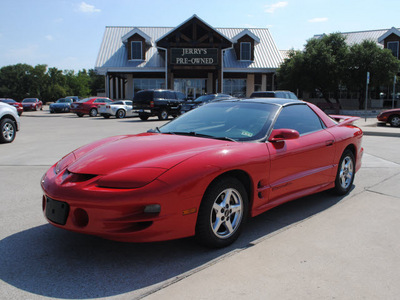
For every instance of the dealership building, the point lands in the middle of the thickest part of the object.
(193, 57)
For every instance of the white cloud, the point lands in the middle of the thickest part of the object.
(49, 37)
(87, 8)
(270, 8)
(318, 20)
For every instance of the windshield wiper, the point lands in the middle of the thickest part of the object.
(192, 133)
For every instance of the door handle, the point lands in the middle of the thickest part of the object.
(329, 142)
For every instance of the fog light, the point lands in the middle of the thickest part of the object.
(80, 218)
(152, 209)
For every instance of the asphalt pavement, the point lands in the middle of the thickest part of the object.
(316, 247)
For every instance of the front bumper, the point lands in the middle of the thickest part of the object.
(117, 214)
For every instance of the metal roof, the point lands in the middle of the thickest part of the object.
(358, 37)
(113, 55)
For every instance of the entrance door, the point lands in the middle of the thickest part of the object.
(190, 93)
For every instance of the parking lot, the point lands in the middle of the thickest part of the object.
(317, 247)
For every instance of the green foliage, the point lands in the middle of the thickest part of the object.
(48, 84)
(329, 63)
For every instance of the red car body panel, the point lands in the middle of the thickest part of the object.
(84, 108)
(108, 199)
(387, 114)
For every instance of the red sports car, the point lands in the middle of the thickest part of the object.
(391, 116)
(203, 173)
(14, 103)
(89, 106)
(32, 104)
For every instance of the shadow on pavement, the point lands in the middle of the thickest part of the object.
(51, 262)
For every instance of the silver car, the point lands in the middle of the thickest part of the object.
(119, 108)
(9, 123)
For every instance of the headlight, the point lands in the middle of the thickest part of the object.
(131, 178)
(64, 162)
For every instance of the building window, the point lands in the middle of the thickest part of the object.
(235, 87)
(394, 47)
(145, 84)
(136, 50)
(245, 51)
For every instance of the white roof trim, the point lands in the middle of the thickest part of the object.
(246, 32)
(389, 32)
(134, 31)
(197, 17)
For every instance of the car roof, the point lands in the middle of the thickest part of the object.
(276, 101)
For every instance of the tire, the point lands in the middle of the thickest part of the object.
(93, 112)
(8, 131)
(345, 173)
(120, 114)
(394, 121)
(106, 116)
(219, 221)
(163, 115)
(143, 117)
(80, 115)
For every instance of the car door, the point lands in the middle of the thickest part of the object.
(300, 165)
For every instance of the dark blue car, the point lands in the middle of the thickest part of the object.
(62, 105)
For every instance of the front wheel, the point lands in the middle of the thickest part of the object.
(345, 173)
(163, 115)
(8, 131)
(395, 121)
(222, 213)
(143, 117)
(80, 115)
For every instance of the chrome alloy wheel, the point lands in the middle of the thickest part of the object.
(346, 172)
(395, 121)
(226, 213)
(8, 131)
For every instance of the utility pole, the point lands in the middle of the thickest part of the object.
(366, 96)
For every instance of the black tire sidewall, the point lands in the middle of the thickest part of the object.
(338, 188)
(118, 114)
(2, 124)
(204, 232)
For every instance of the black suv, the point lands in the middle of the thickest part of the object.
(161, 103)
(273, 94)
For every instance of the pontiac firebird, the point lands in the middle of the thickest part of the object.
(203, 174)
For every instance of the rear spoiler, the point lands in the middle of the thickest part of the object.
(344, 120)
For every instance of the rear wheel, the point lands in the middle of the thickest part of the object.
(93, 112)
(120, 114)
(394, 121)
(345, 173)
(222, 213)
(8, 131)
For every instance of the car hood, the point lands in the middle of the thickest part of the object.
(150, 150)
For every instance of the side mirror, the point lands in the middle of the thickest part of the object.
(278, 135)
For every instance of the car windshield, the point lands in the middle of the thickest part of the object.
(204, 98)
(237, 121)
(61, 101)
(29, 100)
(85, 100)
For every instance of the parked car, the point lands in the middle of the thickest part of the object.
(9, 123)
(32, 104)
(161, 103)
(120, 109)
(74, 98)
(391, 116)
(189, 105)
(62, 105)
(14, 103)
(88, 106)
(203, 173)
(273, 94)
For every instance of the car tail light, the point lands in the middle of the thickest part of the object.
(151, 103)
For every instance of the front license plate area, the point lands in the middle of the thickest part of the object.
(57, 211)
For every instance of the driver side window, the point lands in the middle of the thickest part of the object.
(300, 118)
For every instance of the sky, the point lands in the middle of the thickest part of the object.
(67, 34)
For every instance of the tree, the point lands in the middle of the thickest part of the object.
(369, 57)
